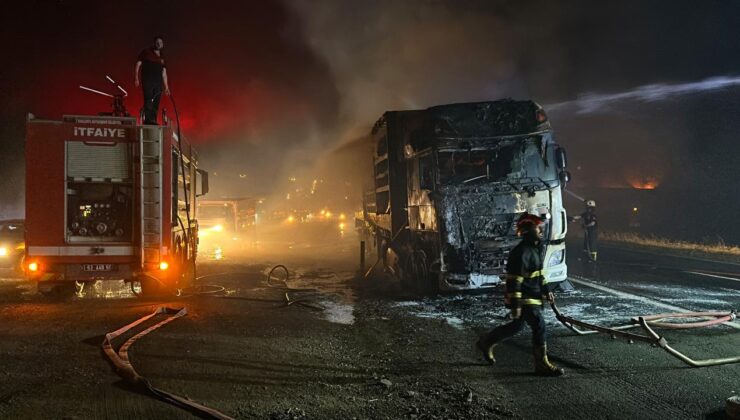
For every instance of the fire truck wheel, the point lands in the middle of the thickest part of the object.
(146, 287)
(20, 266)
(57, 290)
(187, 277)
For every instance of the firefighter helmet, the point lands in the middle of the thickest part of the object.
(590, 203)
(527, 221)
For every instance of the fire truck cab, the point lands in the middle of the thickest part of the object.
(109, 199)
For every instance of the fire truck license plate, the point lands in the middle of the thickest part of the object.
(97, 267)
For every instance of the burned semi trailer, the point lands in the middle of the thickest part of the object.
(448, 184)
(107, 198)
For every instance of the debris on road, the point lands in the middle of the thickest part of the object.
(290, 414)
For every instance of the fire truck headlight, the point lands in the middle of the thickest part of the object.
(556, 258)
(33, 267)
(164, 265)
(3, 251)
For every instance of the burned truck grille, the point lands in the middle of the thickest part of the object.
(489, 257)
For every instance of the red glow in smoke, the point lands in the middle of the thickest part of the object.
(233, 71)
(206, 113)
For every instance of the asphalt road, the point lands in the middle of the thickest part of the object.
(362, 349)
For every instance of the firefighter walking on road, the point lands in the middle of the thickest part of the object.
(526, 289)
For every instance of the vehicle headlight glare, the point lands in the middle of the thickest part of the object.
(3, 251)
(556, 258)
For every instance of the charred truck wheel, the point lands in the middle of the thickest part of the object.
(416, 276)
(422, 279)
(407, 281)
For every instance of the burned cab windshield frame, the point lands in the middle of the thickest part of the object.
(521, 169)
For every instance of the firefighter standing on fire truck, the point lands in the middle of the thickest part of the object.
(526, 288)
(153, 78)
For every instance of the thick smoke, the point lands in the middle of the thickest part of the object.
(402, 55)
(665, 69)
(274, 90)
(250, 91)
(406, 55)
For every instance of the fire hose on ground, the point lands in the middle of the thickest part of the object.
(283, 284)
(272, 282)
(125, 370)
(647, 323)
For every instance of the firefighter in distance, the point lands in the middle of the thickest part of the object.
(590, 227)
(590, 230)
(526, 289)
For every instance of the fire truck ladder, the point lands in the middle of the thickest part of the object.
(151, 196)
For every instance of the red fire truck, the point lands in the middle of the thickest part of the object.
(108, 199)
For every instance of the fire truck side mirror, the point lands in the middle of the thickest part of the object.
(203, 175)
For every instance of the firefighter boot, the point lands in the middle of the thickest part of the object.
(486, 349)
(542, 365)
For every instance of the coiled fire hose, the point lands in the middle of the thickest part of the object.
(652, 337)
(283, 284)
(125, 370)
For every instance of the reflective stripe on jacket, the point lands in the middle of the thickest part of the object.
(525, 280)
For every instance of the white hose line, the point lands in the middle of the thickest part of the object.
(626, 295)
(124, 368)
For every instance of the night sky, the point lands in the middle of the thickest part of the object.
(267, 87)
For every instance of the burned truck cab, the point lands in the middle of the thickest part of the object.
(450, 183)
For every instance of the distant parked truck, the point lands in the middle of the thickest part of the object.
(234, 215)
(226, 226)
(448, 184)
(107, 198)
